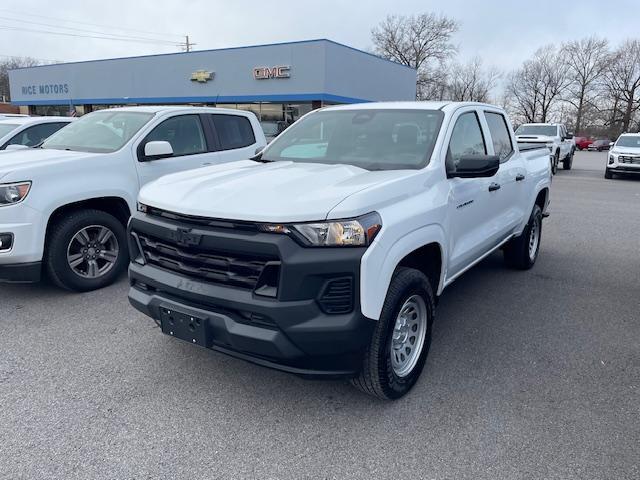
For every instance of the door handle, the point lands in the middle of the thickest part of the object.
(519, 177)
(494, 186)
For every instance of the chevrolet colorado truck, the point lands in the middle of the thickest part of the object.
(555, 136)
(325, 253)
(64, 206)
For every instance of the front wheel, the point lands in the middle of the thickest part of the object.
(522, 252)
(567, 163)
(554, 163)
(86, 250)
(607, 174)
(400, 343)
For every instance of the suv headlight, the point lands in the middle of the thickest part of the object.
(352, 232)
(12, 193)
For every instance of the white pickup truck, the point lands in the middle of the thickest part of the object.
(555, 136)
(325, 253)
(64, 206)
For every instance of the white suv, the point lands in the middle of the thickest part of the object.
(624, 156)
(64, 206)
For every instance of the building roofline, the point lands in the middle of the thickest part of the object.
(316, 40)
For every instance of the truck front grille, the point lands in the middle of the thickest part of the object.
(215, 266)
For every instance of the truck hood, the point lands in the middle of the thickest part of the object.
(263, 192)
(535, 138)
(22, 162)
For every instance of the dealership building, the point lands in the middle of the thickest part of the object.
(278, 82)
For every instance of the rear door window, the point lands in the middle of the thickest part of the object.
(502, 146)
(234, 131)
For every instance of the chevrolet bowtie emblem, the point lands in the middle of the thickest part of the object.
(201, 76)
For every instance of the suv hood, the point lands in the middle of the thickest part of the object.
(33, 158)
(626, 150)
(263, 192)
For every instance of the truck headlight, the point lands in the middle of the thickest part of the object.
(12, 193)
(353, 232)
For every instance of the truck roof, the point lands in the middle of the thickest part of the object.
(28, 120)
(173, 108)
(417, 105)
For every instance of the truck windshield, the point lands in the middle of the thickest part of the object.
(100, 132)
(628, 141)
(373, 139)
(547, 130)
(6, 128)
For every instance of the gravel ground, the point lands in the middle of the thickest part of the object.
(531, 375)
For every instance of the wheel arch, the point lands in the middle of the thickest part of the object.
(116, 206)
(423, 249)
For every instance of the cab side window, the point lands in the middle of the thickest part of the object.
(466, 139)
(500, 137)
(234, 131)
(32, 136)
(183, 132)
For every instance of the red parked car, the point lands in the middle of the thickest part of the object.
(582, 143)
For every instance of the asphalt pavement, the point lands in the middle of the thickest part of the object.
(531, 375)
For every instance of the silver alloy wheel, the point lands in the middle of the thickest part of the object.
(534, 239)
(92, 251)
(408, 335)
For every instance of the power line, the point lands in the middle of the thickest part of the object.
(66, 34)
(81, 22)
(129, 37)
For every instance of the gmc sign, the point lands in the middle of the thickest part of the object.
(265, 73)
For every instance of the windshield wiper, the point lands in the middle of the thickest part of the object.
(258, 158)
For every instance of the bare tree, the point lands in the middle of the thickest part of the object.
(10, 64)
(623, 82)
(536, 87)
(421, 41)
(586, 60)
(471, 82)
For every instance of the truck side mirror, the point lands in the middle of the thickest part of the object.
(157, 149)
(569, 136)
(475, 166)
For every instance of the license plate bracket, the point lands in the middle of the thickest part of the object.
(184, 326)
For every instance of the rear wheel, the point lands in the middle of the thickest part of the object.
(522, 252)
(86, 250)
(400, 343)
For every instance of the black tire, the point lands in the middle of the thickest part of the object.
(567, 163)
(58, 242)
(607, 174)
(554, 163)
(377, 376)
(517, 252)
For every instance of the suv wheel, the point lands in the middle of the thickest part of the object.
(522, 252)
(607, 174)
(554, 163)
(400, 343)
(86, 250)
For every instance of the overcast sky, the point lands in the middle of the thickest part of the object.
(502, 32)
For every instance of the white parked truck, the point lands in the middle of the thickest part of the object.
(325, 253)
(64, 206)
(555, 136)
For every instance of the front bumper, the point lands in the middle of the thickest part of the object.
(290, 331)
(26, 226)
(20, 272)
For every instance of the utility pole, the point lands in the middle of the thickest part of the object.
(187, 45)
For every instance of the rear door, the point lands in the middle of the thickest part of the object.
(192, 143)
(511, 177)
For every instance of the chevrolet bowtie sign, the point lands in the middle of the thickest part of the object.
(201, 76)
(265, 73)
